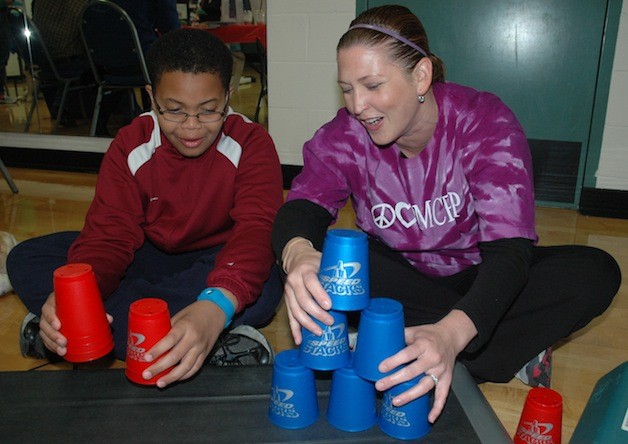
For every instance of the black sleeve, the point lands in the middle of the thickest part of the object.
(501, 277)
(299, 218)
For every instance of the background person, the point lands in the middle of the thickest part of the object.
(5, 51)
(440, 178)
(151, 18)
(59, 28)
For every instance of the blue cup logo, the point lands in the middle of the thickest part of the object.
(333, 342)
(392, 415)
(330, 350)
(280, 404)
(344, 272)
(293, 403)
(342, 279)
(408, 421)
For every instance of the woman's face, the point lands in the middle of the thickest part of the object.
(380, 94)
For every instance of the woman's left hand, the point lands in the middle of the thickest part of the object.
(431, 350)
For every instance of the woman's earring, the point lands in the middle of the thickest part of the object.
(421, 99)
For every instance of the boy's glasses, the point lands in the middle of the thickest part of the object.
(202, 117)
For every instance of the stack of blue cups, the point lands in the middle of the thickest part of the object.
(344, 274)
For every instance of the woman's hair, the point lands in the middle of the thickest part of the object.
(190, 51)
(394, 19)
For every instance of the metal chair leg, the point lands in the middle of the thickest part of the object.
(8, 177)
(64, 95)
(34, 102)
(92, 131)
(262, 93)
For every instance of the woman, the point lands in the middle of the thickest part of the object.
(440, 179)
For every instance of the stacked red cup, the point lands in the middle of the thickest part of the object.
(81, 311)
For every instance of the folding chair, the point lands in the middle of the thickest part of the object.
(261, 68)
(32, 49)
(114, 52)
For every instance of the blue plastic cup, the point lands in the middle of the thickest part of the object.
(344, 271)
(352, 401)
(380, 335)
(329, 351)
(293, 401)
(408, 421)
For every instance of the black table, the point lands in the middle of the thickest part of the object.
(219, 405)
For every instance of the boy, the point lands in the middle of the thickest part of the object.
(184, 205)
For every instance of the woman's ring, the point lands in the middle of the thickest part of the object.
(434, 378)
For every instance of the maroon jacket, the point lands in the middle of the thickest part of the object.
(147, 190)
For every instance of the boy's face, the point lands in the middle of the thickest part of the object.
(179, 93)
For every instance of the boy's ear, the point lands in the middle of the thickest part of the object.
(149, 90)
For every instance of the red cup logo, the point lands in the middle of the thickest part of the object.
(535, 432)
(134, 350)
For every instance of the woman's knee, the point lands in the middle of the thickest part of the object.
(586, 273)
(603, 273)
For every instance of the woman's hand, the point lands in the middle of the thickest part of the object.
(303, 293)
(431, 350)
(194, 332)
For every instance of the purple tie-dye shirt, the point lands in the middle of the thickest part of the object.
(472, 183)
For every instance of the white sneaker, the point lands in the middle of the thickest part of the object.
(7, 242)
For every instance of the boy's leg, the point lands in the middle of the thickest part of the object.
(178, 279)
(30, 265)
(261, 313)
(243, 344)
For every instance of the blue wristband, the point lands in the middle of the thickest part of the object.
(218, 297)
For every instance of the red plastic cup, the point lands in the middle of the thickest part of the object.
(149, 321)
(82, 313)
(541, 418)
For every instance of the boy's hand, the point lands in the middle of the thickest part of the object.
(194, 332)
(50, 325)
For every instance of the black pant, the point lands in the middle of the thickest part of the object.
(568, 286)
(176, 278)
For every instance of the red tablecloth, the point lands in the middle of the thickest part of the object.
(238, 33)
